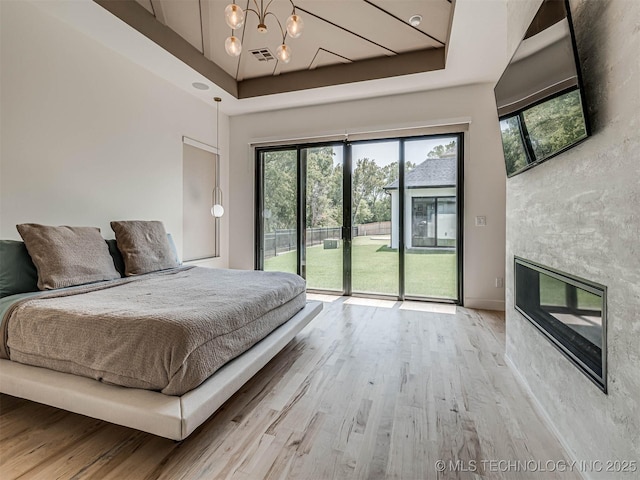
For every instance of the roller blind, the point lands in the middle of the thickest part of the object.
(454, 126)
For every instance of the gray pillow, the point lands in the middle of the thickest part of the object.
(144, 246)
(18, 274)
(67, 256)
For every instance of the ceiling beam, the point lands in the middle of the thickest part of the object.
(362, 70)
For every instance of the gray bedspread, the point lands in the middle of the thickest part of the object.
(167, 331)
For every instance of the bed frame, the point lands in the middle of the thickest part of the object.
(174, 417)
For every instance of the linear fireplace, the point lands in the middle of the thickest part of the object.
(569, 311)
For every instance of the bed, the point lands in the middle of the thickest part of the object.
(159, 352)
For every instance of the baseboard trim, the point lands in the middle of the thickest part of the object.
(544, 415)
(484, 304)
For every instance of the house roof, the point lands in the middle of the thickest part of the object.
(433, 172)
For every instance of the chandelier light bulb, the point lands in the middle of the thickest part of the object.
(283, 53)
(217, 210)
(234, 16)
(233, 46)
(295, 25)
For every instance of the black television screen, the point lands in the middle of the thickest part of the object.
(539, 96)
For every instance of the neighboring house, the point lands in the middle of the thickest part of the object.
(430, 204)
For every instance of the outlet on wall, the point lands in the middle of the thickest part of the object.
(499, 282)
(481, 221)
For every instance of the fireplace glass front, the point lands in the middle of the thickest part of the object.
(569, 311)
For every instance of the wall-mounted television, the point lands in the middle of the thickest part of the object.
(540, 98)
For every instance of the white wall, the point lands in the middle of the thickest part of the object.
(484, 168)
(580, 213)
(88, 136)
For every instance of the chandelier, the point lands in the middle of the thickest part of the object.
(235, 16)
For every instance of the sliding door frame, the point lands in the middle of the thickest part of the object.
(258, 259)
(349, 200)
(258, 207)
(347, 227)
(301, 205)
(301, 254)
(401, 219)
(460, 139)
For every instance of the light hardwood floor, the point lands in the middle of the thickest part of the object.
(362, 392)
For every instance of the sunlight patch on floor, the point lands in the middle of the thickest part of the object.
(447, 308)
(319, 297)
(370, 302)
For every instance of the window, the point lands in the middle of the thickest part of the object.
(373, 217)
(434, 221)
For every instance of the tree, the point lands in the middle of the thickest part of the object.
(324, 195)
(280, 187)
(514, 154)
(440, 151)
(362, 213)
(336, 195)
(555, 123)
(368, 184)
(321, 204)
(551, 126)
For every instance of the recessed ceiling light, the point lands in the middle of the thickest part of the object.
(200, 86)
(415, 20)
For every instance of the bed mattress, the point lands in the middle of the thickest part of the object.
(168, 331)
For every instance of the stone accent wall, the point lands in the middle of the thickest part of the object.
(580, 213)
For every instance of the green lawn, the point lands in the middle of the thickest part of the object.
(375, 269)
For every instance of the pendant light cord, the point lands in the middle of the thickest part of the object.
(217, 100)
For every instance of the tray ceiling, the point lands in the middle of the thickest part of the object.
(344, 41)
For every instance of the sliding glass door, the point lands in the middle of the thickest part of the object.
(374, 248)
(431, 217)
(280, 210)
(379, 218)
(324, 246)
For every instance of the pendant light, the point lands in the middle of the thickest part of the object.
(217, 210)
